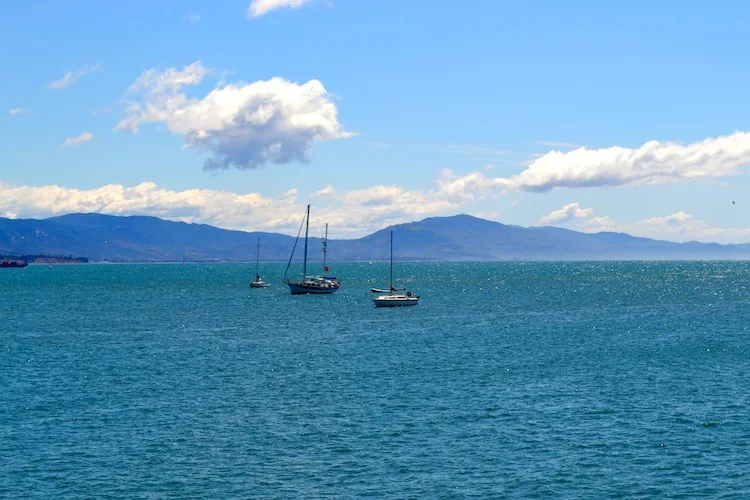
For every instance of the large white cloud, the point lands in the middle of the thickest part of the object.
(72, 76)
(244, 125)
(567, 213)
(258, 8)
(654, 162)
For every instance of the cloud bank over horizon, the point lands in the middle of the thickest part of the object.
(351, 214)
(680, 227)
(243, 125)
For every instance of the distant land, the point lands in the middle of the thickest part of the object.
(45, 259)
(100, 237)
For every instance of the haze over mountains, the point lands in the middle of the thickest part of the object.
(460, 237)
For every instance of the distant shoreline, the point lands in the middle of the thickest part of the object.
(459, 238)
(416, 261)
(46, 259)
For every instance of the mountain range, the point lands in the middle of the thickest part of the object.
(457, 238)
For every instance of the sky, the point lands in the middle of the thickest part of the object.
(584, 115)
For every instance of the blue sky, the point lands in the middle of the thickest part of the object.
(379, 113)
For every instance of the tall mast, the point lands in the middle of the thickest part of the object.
(307, 228)
(257, 259)
(325, 248)
(391, 279)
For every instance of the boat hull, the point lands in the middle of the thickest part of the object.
(314, 289)
(259, 284)
(395, 301)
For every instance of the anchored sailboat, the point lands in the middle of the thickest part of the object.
(310, 284)
(390, 298)
(258, 283)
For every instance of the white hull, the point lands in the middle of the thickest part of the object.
(259, 284)
(395, 301)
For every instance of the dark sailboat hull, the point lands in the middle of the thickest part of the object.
(306, 289)
(13, 264)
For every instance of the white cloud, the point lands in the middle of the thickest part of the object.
(365, 210)
(192, 17)
(567, 213)
(679, 226)
(652, 163)
(258, 8)
(468, 187)
(487, 215)
(169, 81)
(72, 76)
(605, 223)
(221, 208)
(351, 213)
(102, 110)
(78, 140)
(244, 125)
(17, 111)
(325, 192)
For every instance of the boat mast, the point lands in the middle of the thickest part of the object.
(307, 228)
(391, 279)
(325, 248)
(257, 261)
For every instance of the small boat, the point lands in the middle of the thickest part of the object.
(311, 284)
(396, 300)
(258, 283)
(13, 263)
(390, 298)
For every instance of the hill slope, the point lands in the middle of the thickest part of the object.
(460, 237)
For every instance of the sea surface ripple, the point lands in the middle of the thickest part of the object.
(542, 380)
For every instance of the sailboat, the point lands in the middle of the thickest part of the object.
(310, 284)
(258, 283)
(389, 297)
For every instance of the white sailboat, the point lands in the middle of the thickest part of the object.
(390, 298)
(311, 284)
(258, 283)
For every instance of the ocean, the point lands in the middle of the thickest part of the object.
(508, 380)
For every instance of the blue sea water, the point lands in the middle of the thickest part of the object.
(542, 380)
